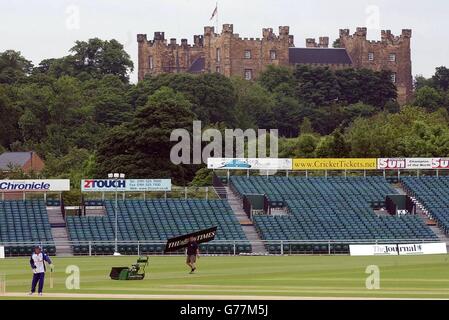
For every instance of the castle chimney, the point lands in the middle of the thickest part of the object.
(324, 42)
(173, 42)
(311, 43)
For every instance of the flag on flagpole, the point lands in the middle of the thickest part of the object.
(215, 12)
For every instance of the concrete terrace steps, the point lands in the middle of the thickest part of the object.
(248, 227)
(55, 215)
(99, 211)
(59, 231)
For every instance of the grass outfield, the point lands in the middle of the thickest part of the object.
(268, 276)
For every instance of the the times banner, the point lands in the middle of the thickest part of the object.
(180, 242)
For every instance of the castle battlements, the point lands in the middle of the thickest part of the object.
(227, 53)
(386, 36)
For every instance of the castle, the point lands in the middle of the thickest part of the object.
(229, 54)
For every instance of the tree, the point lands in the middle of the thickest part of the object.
(287, 114)
(429, 98)
(421, 81)
(336, 44)
(366, 86)
(274, 76)
(301, 147)
(255, 102)
(212, 96)
(306, 126)
(13, 67)
(9, 116)
(98, 58)
(413, 132)
(141, 148)
(441, 78)
(333, 146)
(317, 86)
(203, 178)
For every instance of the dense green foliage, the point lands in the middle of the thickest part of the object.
(81, 114)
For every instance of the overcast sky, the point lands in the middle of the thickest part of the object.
(48, 28)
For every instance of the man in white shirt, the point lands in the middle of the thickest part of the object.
(37, 262)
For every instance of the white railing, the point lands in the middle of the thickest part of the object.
(216, 247)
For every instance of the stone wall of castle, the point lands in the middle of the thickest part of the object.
(229, 54)
(160, 56)
(225, 53)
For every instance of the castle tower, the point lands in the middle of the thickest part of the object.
(159, 56)
(229, 54)
(391, 53)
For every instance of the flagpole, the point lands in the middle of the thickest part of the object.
(216, 19)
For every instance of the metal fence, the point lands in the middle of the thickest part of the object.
(216, 247)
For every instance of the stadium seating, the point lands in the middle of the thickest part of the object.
(27, 222)
(156, 221)
(433, 194)
(334, 208)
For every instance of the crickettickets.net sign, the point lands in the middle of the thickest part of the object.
(122, 185)
(335, 164)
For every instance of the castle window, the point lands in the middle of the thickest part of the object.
(273, 54)
(247, 54)
(392, 57)
(218, 55)
(370, 56)
(248, 74)
(218, 69)
(393, 77)
(151, 63)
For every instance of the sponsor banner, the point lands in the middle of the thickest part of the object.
(373, 250)
(2, 252)
(423, 248)
(335, 164)
(180, 242)
(398, 249)
(440, 163)
(34, 185)
(249, 163)
(121, 185)
(412, 163)
(404, 163)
